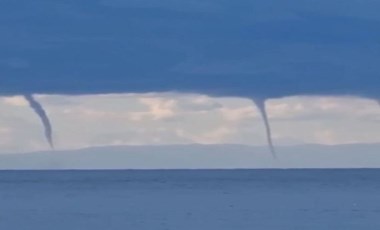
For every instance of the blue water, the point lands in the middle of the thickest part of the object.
(184, 200)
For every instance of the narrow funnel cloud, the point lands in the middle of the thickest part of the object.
(260, 104)
(37, 107)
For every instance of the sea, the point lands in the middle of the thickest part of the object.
(262, 199)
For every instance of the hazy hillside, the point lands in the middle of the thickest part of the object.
(197, 156)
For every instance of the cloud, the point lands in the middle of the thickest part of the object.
(160, 108)
(198, 103)
(193, 5)
(239, 114)
(263, 10)
(156, 119)
(265, 49)
(17, 63)
(15, 101)
(322, 107)
(4, 130)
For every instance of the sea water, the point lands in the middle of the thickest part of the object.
(190, 199)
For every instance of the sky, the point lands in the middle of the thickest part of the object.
(254, 49)
(206, 62)
(171, 118)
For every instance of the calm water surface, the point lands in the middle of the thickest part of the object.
(194, 199)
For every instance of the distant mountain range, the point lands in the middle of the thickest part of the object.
(198, 156)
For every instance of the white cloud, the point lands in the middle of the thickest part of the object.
(4, 130)
(197, 103)
(159, 108)
(81, 121)
(15, 101)
(238, 114)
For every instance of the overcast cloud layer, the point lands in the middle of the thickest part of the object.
(253, 49)
(145, 119)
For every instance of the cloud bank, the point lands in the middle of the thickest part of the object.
(122, 119)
